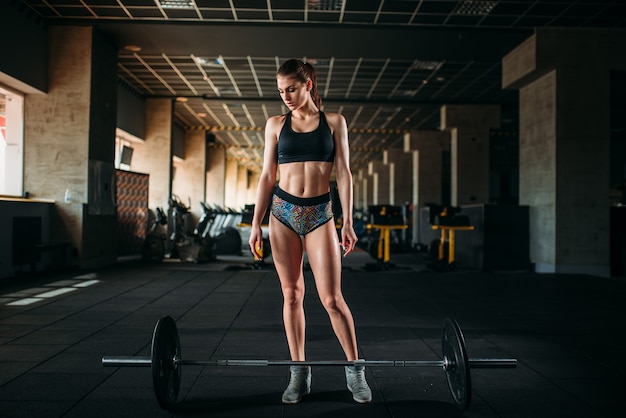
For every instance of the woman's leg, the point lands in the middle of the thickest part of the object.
(324, 255)
(287, 253)
(322, 246)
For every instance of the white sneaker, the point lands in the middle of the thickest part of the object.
(299, 384)
(355, 380)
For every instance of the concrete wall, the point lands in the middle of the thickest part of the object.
(564, 80)
(538, 164)
(69, 139)
(131, 110)
(56, 129)
(469, 126)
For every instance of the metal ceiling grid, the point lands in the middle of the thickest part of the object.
(352, 87)
(484, 13)
(381, 95)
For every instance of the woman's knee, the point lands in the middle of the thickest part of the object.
(293, 296)
(333, 303)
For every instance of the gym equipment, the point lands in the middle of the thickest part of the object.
(153, 248)
(450, 264)
(447, 220)
(166, 362)
(181, 244)
(217, 233)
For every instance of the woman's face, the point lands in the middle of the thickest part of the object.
(294, 93)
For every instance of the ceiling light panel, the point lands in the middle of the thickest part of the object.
(325, 4)
(177, 4)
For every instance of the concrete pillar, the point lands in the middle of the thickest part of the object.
(361, 195)
(154, 155)
(401, 182)
(400, 166)
(564, 91)
(252, 187)
(357, 182)
(189, 177)
(379, 175)
(426, 149)
(59, 121)
(69, 141)
(243, 178)
(216, 175)
(231, 179)
(469, 127)
(365, 189)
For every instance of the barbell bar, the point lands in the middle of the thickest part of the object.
(166, 363)
(474, 363)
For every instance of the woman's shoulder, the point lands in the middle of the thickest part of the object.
(334, 119)
(275, 121)
(332, 116)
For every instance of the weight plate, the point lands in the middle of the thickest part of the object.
(165, 374)
(456, 364)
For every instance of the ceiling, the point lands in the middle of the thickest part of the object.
(386, 65)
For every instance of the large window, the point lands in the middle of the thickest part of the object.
(11, 143)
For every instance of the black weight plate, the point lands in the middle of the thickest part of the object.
(457, 367)
(165, 374)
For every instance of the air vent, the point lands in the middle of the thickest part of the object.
(426, 65)
(209, 62)
(318, 62)
(475, 7)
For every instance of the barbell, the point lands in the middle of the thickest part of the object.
(166, 363)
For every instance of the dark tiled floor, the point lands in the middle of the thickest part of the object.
(566, 331)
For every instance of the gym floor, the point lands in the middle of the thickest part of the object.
(565, 331)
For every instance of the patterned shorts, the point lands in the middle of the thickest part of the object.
(301, 214)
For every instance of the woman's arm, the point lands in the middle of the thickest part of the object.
(344, 179)
(267, 181)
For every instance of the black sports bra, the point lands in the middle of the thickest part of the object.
(317, 145)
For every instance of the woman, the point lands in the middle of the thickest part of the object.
(305, 145)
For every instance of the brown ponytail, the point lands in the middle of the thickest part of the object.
(302, 71)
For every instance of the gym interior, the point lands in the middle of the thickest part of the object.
(488, 152)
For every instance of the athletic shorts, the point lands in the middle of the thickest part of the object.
(301, 214)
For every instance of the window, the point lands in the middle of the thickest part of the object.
(11, 143)
(124, 146)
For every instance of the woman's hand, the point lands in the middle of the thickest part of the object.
(256, 242)
(348, 239)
